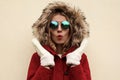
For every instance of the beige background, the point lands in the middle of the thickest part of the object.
(103, 50)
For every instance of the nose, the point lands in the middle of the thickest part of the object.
(59, 28)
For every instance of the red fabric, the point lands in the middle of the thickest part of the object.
(60, 71)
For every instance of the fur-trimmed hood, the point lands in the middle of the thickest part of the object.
(76, 18)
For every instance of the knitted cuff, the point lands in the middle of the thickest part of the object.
(73, 59)
(75, 56)
(47, 60)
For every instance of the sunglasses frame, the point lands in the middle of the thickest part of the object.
(64, 24)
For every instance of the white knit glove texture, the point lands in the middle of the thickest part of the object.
(46, 58)
(74, 57)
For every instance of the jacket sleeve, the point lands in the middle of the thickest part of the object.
(85, 65)
(82, 71)
(36, 71)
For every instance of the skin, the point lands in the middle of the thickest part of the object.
(59, 36)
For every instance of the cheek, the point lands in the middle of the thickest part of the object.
(53, 34)
(67, 33)
(66, 36)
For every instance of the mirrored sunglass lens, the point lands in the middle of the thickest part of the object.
(53, 24)
(65, 24)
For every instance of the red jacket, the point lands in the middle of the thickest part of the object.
(60, 71)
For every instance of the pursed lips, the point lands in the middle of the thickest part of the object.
(59, 37)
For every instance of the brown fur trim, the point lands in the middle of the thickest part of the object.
(79, 27)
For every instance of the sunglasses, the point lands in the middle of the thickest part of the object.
(64, 24)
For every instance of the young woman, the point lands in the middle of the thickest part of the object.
(60, 34)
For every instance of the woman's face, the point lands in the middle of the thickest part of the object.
(60, 33)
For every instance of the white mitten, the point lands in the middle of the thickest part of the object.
(47, 59)
(74, 57)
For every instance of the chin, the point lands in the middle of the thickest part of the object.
(59, 42)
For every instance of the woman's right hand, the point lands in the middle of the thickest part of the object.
(46, 58)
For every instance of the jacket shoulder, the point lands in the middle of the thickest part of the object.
(35, 59)
(35, 55)
(84, 55)
(84, 58)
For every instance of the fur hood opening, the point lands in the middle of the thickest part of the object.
(79, 26)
